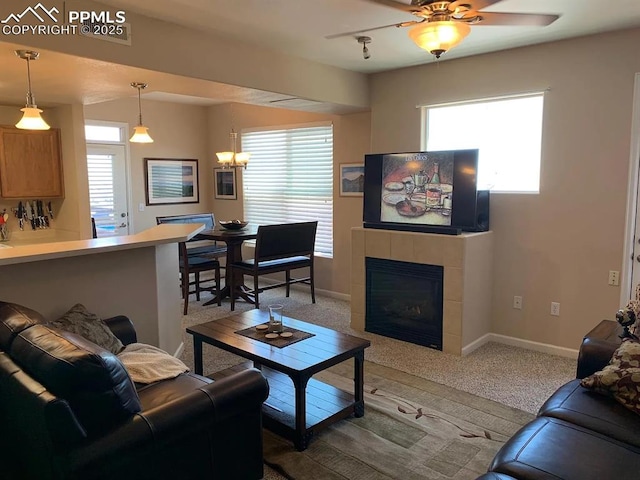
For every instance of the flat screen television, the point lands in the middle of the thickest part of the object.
(423, 191)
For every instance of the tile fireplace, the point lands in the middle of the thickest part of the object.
(466, 264)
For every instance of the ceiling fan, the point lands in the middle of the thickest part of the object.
(441, 24)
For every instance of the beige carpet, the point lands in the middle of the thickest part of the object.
(514, 377)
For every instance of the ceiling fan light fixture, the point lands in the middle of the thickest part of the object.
(438, 37)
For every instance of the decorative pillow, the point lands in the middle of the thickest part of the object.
(621, 378)
(90, 326)
(90, 378)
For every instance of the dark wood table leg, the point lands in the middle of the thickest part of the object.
(358, 381)
(197, 355)
(301, 436)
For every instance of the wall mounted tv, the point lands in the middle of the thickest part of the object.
(432, 192)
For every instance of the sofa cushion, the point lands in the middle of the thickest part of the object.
(548, 448)
(82, 322)
(576, 404)
(14, 319)
(90, 378)
(621, 377)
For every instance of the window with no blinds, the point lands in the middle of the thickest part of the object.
(290, 178)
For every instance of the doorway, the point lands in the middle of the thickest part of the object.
(108, 180)
(631, 259)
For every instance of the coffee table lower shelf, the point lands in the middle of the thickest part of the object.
(325, 404)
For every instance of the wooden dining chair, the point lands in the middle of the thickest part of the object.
(279, 248)
(195, 265)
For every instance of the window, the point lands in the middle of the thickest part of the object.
(103, 134)
(507, 131)
(290, 178)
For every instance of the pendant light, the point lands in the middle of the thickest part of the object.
(233, 158)
(140, 132)
(31, 119)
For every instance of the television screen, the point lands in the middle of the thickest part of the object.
(418, 190)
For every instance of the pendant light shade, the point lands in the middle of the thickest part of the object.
(438, 37)
(31, 119)
(140, 132)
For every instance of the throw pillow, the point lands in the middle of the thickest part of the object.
(621, 377)
(149, 364)
(80, 321)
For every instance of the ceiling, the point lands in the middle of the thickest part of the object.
(297, 28)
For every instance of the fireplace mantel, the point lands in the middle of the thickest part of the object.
(467, 260)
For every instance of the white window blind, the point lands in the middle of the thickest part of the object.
(101, 197)
(507, 131)
(290, 179)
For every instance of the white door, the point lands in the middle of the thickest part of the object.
(106, 165)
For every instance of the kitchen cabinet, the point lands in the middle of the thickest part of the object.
(30, 163)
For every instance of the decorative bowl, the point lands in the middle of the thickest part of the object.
(233, 224)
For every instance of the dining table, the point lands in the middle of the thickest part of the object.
(234, 240)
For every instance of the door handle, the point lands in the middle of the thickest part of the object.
(122, 225)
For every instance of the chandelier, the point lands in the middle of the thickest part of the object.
(233, 158)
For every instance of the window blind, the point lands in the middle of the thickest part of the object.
(290, 179)
(101, 198)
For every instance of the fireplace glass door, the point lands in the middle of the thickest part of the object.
(404, 301)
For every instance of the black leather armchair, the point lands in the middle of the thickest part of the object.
(188, 427)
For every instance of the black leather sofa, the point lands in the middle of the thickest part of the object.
(578, 434)
(100, 425)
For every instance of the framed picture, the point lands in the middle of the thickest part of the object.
(352, 179)
(170, 180)
(225, 183)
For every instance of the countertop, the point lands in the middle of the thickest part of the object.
(158, 235)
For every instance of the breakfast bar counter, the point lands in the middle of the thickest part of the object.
(132, 275)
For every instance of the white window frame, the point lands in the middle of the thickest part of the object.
(311, 207)
(498, 172)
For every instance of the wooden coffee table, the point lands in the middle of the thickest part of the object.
(298, 405)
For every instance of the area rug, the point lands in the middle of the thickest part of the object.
(413, 428)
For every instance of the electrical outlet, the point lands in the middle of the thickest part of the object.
(614, 277)
(517, 302)
(555, 309)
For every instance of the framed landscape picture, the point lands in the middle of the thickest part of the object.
(352, 179)
(171, 180)
(225, 183)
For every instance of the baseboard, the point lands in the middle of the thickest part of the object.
(519, 342)
(179, 350)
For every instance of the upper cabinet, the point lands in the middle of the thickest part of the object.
(30, 163)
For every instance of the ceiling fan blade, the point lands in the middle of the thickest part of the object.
(516, 19)
(364, 30)
(397, 5)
